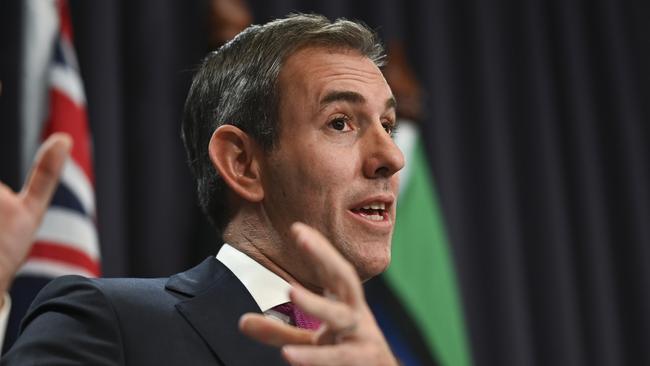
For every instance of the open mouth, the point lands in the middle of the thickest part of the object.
(375, 211)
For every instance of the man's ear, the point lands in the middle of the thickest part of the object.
(234, 154)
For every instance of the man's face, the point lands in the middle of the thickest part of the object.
(335, 165)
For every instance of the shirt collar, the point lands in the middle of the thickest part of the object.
(267, 288)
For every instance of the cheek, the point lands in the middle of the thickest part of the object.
(335, 164)
(328, 182)
(314, 177)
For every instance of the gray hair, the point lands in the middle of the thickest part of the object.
(238, 85)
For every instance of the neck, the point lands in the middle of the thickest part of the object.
(261, 242)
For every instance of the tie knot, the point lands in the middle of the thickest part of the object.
(297, 316)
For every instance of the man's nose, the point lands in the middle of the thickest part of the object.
(383, 157)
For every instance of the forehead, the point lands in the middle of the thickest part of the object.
(313, 72)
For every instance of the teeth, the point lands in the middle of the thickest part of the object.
(373, 217)
(375, 206)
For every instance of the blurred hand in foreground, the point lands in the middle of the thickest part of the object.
(348, 335)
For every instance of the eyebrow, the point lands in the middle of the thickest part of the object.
(350, 97)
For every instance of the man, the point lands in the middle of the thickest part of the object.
(288, 131)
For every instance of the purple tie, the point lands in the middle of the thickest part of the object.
(297, 317)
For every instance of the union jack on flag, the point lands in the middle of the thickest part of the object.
(66, 242)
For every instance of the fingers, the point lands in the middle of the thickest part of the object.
(339, 317)
(45, 172)
(311, 355)
(5, 192)
(273, 332)
(322, 355)
(334, 272)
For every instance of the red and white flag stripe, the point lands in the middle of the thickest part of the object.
(67, 242)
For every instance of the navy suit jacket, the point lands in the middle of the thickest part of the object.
(188, 319)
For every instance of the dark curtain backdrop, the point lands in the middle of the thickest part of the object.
(537, 131)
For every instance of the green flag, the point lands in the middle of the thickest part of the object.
(422, 271)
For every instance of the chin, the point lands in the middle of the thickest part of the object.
(370, 256)
(370, 267)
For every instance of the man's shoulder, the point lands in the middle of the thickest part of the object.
(73, 287)
(69, 283)
(124, 320)
(143, 321)
(131, 290)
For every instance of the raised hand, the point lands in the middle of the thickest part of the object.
(21, 213)
(348, 335)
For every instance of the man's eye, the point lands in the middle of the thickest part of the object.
(340, 124)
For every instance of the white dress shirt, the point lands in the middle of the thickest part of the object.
(4, 317)
(267, 288)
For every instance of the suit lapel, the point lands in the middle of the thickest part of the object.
(217, 301)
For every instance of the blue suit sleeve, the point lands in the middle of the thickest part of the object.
(71, 322)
